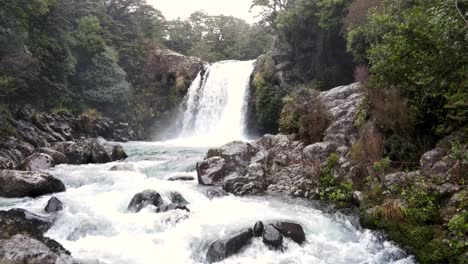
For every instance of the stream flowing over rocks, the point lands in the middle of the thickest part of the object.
(161, 202)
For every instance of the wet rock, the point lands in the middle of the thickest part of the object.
(123, 167)
(236, 154)
(24, 249)
(357, 198)
(58, 157)
(258, 229)
(26, 183)
(91, 150)
(211, 171)
(13, 152)
(177, 198)
(143, 199)
(181, 178)
(17, 221)
(215, 192)
(169, 207)
(38, 162)
(226, 247)
(272, 237)
(83, 230)
(291, 230)
(53, 205)
(254, 182)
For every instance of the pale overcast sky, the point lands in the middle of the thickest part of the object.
(183, 8)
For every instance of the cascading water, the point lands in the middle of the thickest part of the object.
(96, 227)
(215, 106)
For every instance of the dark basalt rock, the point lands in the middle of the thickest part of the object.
(143, 199)
(17, 221)
(26, 183)
(291, 230)
(226, 247)
(181, 178)
(215, 192)
(177, 198)
(123, 167)
(91, 150)
(53, 205)
(258, 229)
(272, 237)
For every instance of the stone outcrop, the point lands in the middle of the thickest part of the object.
(22, 240)
(15, 183)
(36, 133)
(90, 150)
(282, 163)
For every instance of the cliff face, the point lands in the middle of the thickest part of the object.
(168, 76)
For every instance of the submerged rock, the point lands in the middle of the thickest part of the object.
(26, 183)
(53, 205)
(181, 178)
(272, 237)
(291, 230)
(123, 167)
(143, 199)
(177, 198)
(226, 247)
(169, 207)
(38, 162)
(214, 192)
(258, 229)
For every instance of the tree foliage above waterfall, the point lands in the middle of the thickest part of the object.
(215, 38)
(80, 54)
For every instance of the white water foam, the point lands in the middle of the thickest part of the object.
(97, 228)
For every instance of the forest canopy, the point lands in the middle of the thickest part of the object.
(78, 54)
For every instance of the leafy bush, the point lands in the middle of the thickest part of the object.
(304, 113)
(331, 188)
(422, 204)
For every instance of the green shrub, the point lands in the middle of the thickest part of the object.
(422, 204)
(304, 113)
(331, 188)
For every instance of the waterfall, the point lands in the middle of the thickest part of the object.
(216, 104)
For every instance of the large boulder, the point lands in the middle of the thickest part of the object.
(19, 221)
(26, 183)
(58, 157)
(38, 162)
(291, 230)
(177, 198)
(272, 237)
(169, 207)
(91, 150)
(13, 152)
(143, 199)
(24, 249)
(211, 171)
(53, 205)
(236, 154)
(254, 182)
(226, 247)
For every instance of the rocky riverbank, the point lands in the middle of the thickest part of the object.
(35, 142)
